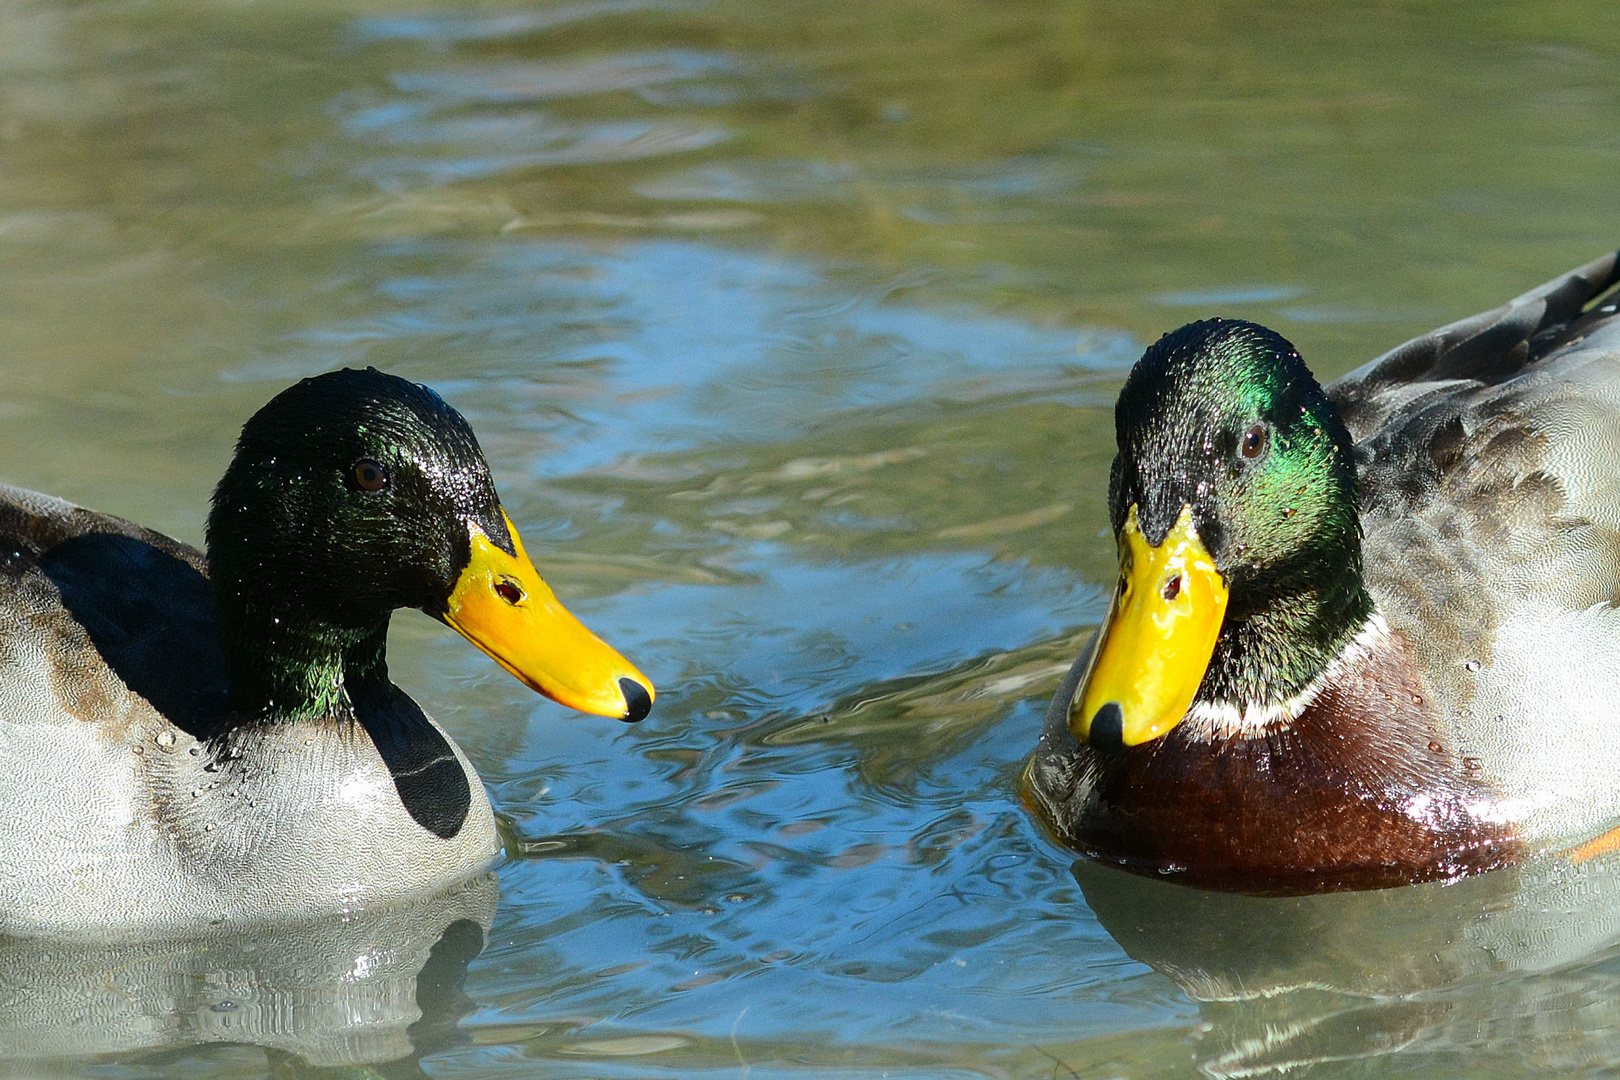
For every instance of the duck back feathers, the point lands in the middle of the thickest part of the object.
(1489, 467)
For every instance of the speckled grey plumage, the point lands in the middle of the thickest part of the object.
(114, 814)
(1489, 473)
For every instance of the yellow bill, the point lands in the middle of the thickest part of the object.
(502, 605)
(1155, 645)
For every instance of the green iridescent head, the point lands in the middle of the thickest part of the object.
(1222, 417)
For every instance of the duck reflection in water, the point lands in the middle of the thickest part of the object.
(1516, 968)
(352, 989)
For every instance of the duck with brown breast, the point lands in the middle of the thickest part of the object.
(1363, 635)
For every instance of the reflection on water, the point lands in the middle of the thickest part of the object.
(791, 331)
(367, 987)
(1516, 969)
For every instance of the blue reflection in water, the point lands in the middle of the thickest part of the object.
(802, 635)
(448, 28)
(664, 345)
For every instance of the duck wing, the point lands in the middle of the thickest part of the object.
(1488, 467)
(1484, 349)
(85, 596)
(1512, 416)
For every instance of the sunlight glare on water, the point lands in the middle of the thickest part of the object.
(791, 331)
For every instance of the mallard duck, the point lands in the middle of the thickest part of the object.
(1363, 635)
(190, 741)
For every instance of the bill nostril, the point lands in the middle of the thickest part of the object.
(637, 702)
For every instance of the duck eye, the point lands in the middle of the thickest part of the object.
(509, 590)
(369, 475)
(1254, 442)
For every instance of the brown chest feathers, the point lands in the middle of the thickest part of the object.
(1359, 792)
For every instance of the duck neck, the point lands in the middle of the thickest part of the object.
(285, 669)
(1271, 650)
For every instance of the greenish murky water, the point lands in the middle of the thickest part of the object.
(791, 330)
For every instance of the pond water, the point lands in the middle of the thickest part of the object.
(791, 330)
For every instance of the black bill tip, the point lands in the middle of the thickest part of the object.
(1107, 732)
(637, 702)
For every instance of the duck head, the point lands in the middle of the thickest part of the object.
(1233, 503)
(355, 493)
